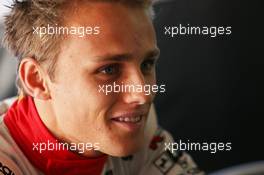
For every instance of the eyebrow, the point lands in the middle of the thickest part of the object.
(124, 57)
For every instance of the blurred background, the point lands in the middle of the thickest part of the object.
(7, 61)
(214, 86)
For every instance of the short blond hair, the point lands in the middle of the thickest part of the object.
(19, 37)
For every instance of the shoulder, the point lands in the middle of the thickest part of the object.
(12, 160)
(8, 164)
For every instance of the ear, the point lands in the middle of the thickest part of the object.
(33, 79)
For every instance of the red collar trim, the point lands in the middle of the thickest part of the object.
(26, 128)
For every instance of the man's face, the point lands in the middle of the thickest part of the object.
(123, 52)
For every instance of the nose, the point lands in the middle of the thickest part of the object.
(137, 92)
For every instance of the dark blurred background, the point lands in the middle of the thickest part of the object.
(214, 86)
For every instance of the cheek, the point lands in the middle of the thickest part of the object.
(81, 90)
(86, 100)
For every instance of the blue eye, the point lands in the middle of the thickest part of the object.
(110, 70)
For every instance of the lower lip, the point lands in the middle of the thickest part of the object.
(129, 126)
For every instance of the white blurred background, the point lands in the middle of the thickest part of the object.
(7, 61)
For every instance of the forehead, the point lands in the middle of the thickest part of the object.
(121, 28)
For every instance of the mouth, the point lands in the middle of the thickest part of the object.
(129, 122)
(128, 119)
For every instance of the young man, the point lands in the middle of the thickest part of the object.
(64, 122)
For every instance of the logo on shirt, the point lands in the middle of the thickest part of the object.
(154, 142)
(5, 170)
(166, 161)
